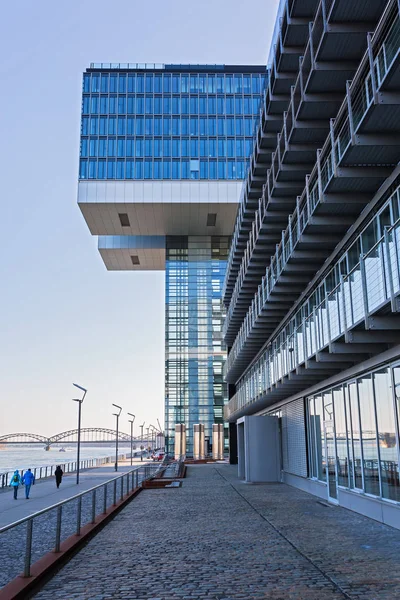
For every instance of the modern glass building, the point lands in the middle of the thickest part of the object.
(164, 149)
(312, 284)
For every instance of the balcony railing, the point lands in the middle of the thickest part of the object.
(360, 97)
(367, 288)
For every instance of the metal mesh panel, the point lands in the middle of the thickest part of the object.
(294, 438)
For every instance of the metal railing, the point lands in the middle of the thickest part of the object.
(372, 283)
(55, 524)
(68, 467)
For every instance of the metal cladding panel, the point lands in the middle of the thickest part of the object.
(294, 438)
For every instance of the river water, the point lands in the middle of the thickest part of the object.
(23, 456)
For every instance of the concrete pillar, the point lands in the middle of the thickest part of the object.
(180, 440)
(218, 441)
(198, 441)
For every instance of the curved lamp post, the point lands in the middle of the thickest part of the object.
(131, 421)
(80, 401)
(117, 415)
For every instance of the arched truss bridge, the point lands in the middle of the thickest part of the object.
(88, 434)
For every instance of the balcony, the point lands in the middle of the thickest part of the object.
(330, 332)
(367, 108)
(336, 41)
(335, 193)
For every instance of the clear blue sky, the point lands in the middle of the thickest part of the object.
(63, 317)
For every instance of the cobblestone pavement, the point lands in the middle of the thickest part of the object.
(217, 538)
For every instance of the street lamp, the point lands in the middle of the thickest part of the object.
(131, 422)
(116, 414)
(141, 445)
(79, 400)
(153, 437)
(147, 439)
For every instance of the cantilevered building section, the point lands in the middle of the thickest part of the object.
(313, 281)
(164, 149)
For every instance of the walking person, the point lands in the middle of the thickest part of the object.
(28, 479)
(16, 481)
(58, 475)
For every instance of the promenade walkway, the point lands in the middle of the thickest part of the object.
(45, 493)
(216, 538)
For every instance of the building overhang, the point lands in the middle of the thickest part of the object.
(132, 253)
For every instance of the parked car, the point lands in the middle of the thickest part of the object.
(158, 456)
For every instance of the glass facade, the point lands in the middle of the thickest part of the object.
(168, 125)
(353, 434)
(194, 351)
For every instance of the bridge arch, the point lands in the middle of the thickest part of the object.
(23, 437)
(109, 434)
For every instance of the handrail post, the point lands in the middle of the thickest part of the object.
(28, 548)
(115, 492)
(122, 487)
(58, 529)
(105, 499)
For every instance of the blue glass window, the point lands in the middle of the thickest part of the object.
(93, 147)
(148, 126)
(221, 105)
(185, 105)
(212, 126)
(212, 105)
(139, 105)
(139, 169)
(111, 169)
(129, 147)
(194, 108)
(167, 105)
(92, 169)
(120, 169)
(239, 126)
(158, 105)
(83, 169)
(176, 148)
(157, 126)
(176, 169)
(194, 148)
(194, 126)
(176, 105)
(176, 84)
(256, 105)
(184, 84)
(86, 82)
(104, 83)
(212, 169)
(203, 126)
(121, 147)
(130, 165)
(104, 105)
(130, 126)
(221, 126)
(102, 147)
(221, 169)
(231, 148)
(194, 84)
(113, 105)
(131, 83)
(139, 83)
(204, 148)
(139, 147)
(148, 169)
(84, 147)
(112, 129)
(185, 169)
(121, 125)
(212, 147)
(248, 146)
(239, 148)
(203, 169)
(229, 84)
(166, 147)
(221, 148)
(166, 170)
(238, 84)
(149, 105)
(229, 105)
(231, 169)
(148, 147)
(157, 169)
(247, 106)
(149, 83)
(185, 147)
(220, 84)
(255, 84)
(246, 84)
(238, 106)
(85, 126)
(203, 84)
(230, 126)
(95, 82)
(101, 169)
(248, 127)
(167, 83)
(122, 84)
(240, 169)
(203, 105)
(111, 147)
(139, 125)
(86, 105)
(211, 84)
(113, 82)
(103, 125)
(167, 126)
(185, 126)
(94, 125)
(131, 105)
(157, 147)
(121, 105)
(176, 126)
(157, 84)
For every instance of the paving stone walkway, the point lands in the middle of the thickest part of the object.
(216, 538)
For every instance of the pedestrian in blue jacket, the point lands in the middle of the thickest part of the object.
(28, 479)
(16, 481)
